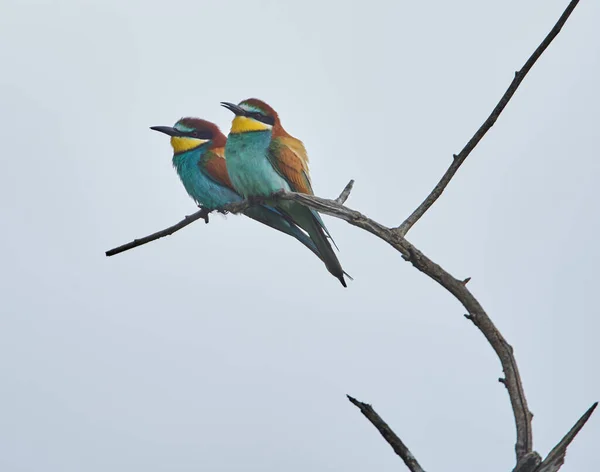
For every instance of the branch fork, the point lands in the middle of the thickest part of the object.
(527, 460)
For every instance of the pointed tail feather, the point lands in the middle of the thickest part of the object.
(320, 221)
(314, 226)
(275, 220)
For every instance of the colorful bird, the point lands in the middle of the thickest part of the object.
(262, 158)
(198, 150)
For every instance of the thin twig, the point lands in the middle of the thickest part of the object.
(345, 193)
(513, 381)
(460, 158)
(396, 238)
(202, 213)
(456, 287)
(556, 458)
(392, 439)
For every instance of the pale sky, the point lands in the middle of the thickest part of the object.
(228, 347)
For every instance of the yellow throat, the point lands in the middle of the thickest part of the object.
(243, 124)
(183, 144)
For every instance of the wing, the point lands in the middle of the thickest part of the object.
(288, 157)
(213, 164)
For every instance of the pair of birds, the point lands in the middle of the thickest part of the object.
(257, 159)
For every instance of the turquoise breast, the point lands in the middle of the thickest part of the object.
(204, 190)
(249, 169)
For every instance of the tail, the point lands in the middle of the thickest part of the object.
(271, 217)
(315, 228)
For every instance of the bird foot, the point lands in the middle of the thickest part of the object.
(277, 194)
(255, 199)
(205, 212)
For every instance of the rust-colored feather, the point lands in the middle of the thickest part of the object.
(287, 154)
(218, 138)
(288, 157)
(278, 130)
(215, 166)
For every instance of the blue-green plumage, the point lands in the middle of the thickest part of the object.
(192, 170)
(250, 171)
(262, 158)
(202, 170)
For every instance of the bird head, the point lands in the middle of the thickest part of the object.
(192, 133)
(252, 115)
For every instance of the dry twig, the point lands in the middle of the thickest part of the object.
(188, 220)
(487, 124)
(202, 213)
(393, 440)
(527, 459)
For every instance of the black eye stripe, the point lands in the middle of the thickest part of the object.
(262, 118)
(199, 134)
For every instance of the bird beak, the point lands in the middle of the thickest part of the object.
(167, 130)
(234, 108)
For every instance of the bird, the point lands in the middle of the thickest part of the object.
(198, 157)
(263, 158)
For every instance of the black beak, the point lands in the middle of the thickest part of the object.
(167, 130)
(234, 108)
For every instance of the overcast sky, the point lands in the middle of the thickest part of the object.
(228, 347)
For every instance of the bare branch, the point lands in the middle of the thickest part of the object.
(503, 350)
(392, 439)
(556, 458)
(455, 286)
(202, 213)
(528, 462)
(526, 458)
(460, 158)
(476, 313)
(323, 205)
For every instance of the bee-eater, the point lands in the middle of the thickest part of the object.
(198, 158)
(262, 158)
